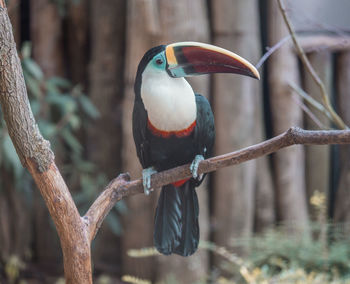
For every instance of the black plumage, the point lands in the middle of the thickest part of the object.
(176, 219)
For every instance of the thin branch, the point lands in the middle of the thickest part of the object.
(121, 187)
(310, 100)
(271, 50)
(308, 112)
(335, 117)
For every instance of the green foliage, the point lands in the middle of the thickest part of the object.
(278, 256)
(286, 254)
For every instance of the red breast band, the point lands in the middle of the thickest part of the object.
(180, 182)
(166, 134)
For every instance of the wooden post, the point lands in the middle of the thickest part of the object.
(106, 78)
(238, 118)
(47, 50)
(289, 163)
(342, 198)
(184, 20)
(317, 158)
(150, 23)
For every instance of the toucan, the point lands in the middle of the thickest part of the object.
(173, 126)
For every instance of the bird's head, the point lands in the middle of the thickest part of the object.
(184, 59)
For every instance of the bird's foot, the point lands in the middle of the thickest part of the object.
(146, 179)
(195, 164)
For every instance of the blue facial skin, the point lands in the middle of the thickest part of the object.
(159, 62)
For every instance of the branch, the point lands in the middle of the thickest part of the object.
(308, 112)
(310, 100)
(271, 50)
(335, 117)
(121, 187)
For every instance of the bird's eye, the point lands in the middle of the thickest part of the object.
(159, 61)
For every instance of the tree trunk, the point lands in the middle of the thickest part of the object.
(342, 197)
(238, 118)
(15, 17)
(106, 92)
(46, 36)
(288, 163)
(140, 36)
(76, 29)
(317, 158)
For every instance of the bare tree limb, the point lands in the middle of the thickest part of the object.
(325, 98)
(120, 187)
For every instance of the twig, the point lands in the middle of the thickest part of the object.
(271, 50)
(308, 112)
(335, 117)
(310, 100)
(121, 187)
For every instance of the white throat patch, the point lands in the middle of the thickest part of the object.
(170, 102)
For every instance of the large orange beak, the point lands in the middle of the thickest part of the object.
(195, 58)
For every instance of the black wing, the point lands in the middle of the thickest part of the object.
(205, 129)
(139, 129)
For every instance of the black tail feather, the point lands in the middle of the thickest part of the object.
(176, 220)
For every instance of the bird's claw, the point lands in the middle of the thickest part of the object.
(195, 164)
(146, 179)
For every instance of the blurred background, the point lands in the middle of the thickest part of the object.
(279, 218)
